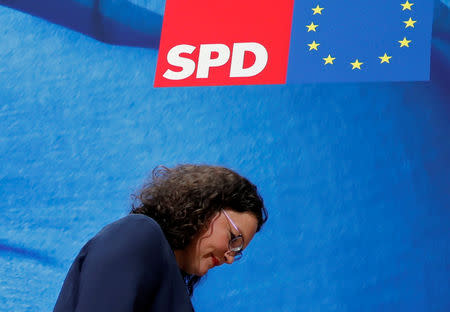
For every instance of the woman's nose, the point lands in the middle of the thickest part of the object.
(229, 257)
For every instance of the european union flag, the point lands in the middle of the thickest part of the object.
(353, 40)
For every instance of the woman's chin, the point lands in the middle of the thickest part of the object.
(203, 270)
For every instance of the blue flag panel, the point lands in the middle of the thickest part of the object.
(115, 22)
(384, 40)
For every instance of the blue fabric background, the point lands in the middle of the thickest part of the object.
(356, 177)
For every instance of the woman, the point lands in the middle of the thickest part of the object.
(187, 220)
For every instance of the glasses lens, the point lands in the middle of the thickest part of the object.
(236, 244)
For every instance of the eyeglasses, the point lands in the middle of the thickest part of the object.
(236, 243)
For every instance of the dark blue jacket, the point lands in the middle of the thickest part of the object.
(128, 266)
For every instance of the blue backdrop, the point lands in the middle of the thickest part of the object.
(356, 177)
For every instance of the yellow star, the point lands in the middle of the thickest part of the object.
(357, 64)
(409, 23)
(317, 10)
(329, 59)
(385, 58)
(312, 27)
(404, 42)
(407, 5)
(313, 45)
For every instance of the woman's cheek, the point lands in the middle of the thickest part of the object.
(224, 244)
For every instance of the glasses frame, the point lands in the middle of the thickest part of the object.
(236, 252)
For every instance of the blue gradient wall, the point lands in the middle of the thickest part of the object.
(356, 177)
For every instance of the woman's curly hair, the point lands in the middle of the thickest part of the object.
(183, 200)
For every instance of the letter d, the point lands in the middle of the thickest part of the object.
(237, 60)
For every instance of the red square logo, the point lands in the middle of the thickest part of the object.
(207, 42)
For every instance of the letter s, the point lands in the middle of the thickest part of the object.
(174, 58)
